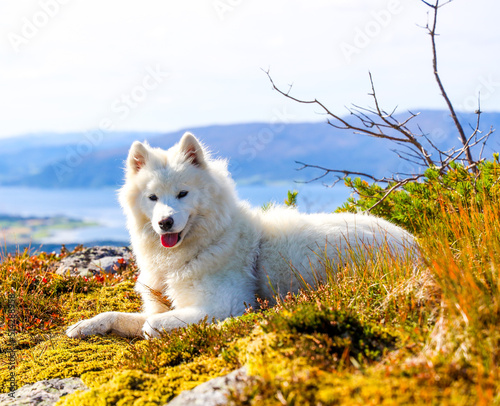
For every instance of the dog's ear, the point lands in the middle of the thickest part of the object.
(193, 150)
(137, 157)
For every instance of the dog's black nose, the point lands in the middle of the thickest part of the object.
(166, 224)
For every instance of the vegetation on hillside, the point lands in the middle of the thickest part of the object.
(26, 230)
(382, 330)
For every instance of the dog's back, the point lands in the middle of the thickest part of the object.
(294, 246)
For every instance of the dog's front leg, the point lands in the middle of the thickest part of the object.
(164, 322)
(122, 324)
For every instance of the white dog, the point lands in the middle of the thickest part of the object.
(209, 253)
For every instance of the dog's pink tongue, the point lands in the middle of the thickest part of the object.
(169, 240)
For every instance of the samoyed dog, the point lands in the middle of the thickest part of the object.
(209, 253)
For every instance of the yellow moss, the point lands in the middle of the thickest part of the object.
(355, 389)
(120, 297)
(134, 387)
(64, 357)
(377, 389)
(94, 379)
(268, 360)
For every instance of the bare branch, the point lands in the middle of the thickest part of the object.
(397, 185)
(398, 127)
(335, 116)
(417, 147)
(435, 5)
(432, 33)
(342, 171)
(487, 136)
(405, 156)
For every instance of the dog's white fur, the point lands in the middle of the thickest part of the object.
(227, 253)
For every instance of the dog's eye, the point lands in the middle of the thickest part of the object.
(182, 193)
(153, 198)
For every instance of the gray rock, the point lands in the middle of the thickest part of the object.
(213, 392)
(43, 393)
(94, 260)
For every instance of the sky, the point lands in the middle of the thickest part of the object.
(163, 65)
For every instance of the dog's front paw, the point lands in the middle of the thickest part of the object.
(165, 322)
(153, 326)
(148, 331)
(98, 325)
(160, 323)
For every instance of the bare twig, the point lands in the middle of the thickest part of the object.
(397, 185)
(432, 32)
(342, 171)
(345, 125)
(410, 137)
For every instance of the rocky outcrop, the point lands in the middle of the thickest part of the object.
(95, 260)
(43, 393)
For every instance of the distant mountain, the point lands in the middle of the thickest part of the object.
(257, 152)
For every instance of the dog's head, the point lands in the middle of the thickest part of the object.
(175, 191)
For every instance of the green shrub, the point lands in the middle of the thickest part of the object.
(420, 202)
